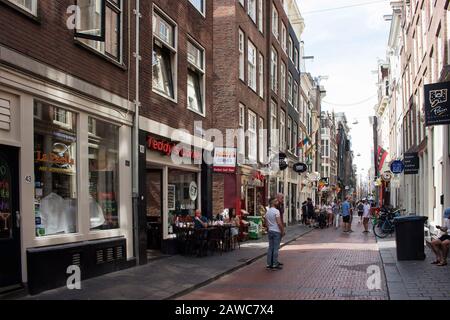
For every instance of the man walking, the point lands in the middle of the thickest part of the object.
(346, 215)
(305, 213)
(311, 212)
(366, 216)
(337, 213)
(276, 232)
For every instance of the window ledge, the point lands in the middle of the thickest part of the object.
(164, 96)
(196, 112)
(99, 54)
(34, 17)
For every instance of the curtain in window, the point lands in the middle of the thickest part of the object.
(162, 71)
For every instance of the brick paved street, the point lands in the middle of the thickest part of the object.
(414, 280)
(322, 265)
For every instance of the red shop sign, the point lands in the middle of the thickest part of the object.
(168, 148)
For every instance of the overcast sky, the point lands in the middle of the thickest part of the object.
(346, 44)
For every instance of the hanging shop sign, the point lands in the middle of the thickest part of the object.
(225, 160)
(300, 167)
(283, 161)
(387, 176)
(168, 148)
(412, 163)
(437, 104)
(397, 167)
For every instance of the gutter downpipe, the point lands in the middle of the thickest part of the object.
(137, 104)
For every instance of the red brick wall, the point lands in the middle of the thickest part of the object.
(51, 42)
(189, 22)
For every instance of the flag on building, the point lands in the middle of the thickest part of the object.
(381, 156)
(303, 143)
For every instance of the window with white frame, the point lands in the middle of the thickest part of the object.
(295, 94)
(289, 134)
(27, 5)
(241, 55)
(282, 130)
(199, 5)
(440, 52)
(164, 55)
(261, 143)
(195, 77)
(252, 137)
(274, 71)
(251, 57)
(261, 75)
(291, 49)
(295, 138)
(284, 37)
(241, 116)
(93, 21)
(296, 58)
(273, 125)
(275, 22)
(251, 9)
(261, 15)
(283, 81)
(290, 88)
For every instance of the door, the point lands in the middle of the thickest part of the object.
(154, 182)
(10, 265)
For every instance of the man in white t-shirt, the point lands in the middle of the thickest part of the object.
(275, 227)
(366, 216)
(441, 246)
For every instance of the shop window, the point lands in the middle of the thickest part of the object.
(103, 175)
(100, 26)
(182, 196)
(55, 170)
(164, 56)
(196, 78)
(27, 5)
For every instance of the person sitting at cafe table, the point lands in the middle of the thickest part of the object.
(200, 221)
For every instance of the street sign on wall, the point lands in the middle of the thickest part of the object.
(437, 104)
(225, 160)
(412, 163)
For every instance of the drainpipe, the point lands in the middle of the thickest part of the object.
(137, 104)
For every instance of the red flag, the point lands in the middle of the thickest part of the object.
(382, 155)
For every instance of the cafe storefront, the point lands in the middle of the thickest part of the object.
(65, 176)
(173, 174)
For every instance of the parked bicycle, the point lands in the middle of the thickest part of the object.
(383, 224)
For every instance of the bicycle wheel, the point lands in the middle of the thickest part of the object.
(388, 227)
(379, 230)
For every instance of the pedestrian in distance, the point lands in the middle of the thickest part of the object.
(346, 215)
(305, 213)
(366, 215)
(337, 213)
(311, 210)
(360, 208)
(330, 215)
(441, 245)
(276, 233)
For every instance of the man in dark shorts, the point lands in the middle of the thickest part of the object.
(311, 211)
(346, 215)
(441, 246)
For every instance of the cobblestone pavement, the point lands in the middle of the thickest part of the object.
(414, 280)
(322, 265)
(168, 277)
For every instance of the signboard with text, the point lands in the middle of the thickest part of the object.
(437, 104)
(225, 160)
(412, 163)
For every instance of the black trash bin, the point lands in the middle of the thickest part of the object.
(410, 237)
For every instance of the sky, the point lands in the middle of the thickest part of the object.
(346, 44)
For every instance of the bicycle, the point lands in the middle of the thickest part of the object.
(383, 225)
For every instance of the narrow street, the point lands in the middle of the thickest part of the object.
(324, 264)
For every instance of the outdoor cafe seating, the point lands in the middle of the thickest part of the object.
(216, 238)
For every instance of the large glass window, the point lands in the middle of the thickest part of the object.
(196, 78)
(275, 23)
(164, 54)
(252, 138)
(261, 76)
(252, 9)
(55, 170)
(241, 55)
(283, 81)
(274, 71)
(103, 175)
(27, 5)
(91, 19)
(182, 195)
(252, 54)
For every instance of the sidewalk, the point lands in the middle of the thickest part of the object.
(169, 277)
(413, 280)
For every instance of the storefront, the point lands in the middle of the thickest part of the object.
(253, 185)
(171, 188)
(65, 184)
